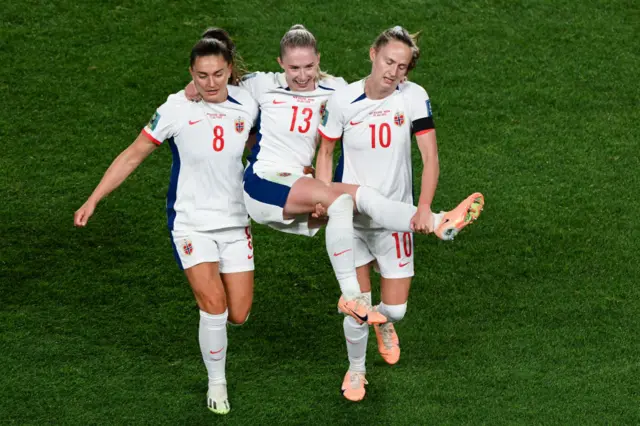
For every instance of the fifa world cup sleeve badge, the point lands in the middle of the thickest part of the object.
(325, 114)
(153, 123)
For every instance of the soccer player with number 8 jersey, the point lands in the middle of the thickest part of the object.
(207, 218)
(376, 118)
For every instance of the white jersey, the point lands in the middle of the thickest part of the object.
(376, 137)
(288, 120)
(207, 141)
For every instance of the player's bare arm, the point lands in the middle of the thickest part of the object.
(118, 171)
(422, 221)
(324, 160)
(324, 165)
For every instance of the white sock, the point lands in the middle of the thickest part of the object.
(437, 219)
(356, 336)
(394, 313)
(213, 345)
(367, 296)
(392, 215)
(339, 242)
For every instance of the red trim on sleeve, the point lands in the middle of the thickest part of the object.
(424, 132)
(327, 137)
(150, 137)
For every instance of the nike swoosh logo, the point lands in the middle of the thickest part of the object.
(216, 352)
(355, 123)
(402, 265)
(191, 123)
(363, 319)
(279, 102)
(342, 252)
(249, 256)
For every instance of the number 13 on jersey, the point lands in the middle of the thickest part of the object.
(306, 115)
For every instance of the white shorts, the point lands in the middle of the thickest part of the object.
(392, 251)
(231, 247)
(266, 193)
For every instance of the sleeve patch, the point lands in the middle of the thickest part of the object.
(429, 113)
(325, 116)
(153, 123)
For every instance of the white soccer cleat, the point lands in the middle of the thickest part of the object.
(217, 400)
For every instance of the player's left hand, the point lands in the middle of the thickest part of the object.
(422, 221)
(309, 170)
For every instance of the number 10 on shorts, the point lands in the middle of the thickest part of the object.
(406, 243)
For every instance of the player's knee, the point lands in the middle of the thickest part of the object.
(238, 318)
(343, 203)
(395, 313)
(212, 302)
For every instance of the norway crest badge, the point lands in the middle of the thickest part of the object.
(239, 125)
(187, 247)
(398, 119)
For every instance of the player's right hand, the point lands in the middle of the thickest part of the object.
(82, 215)
(191, 93)
(320, 212)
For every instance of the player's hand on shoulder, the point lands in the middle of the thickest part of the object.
(191, 93)
(422, 221)
(82, 215)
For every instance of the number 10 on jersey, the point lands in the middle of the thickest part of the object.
(383, 133)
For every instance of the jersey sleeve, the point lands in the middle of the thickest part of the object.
(164, 122)
(251, 83)
(340, 83)
(332, 120)
(420, 111)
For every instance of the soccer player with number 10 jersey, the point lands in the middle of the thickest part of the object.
(376, 117)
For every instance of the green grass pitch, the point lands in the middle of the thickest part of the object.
(532, 316)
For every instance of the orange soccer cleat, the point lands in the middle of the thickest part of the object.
(388, 342)
(453, 221)
(353, 386)
(360, 309)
